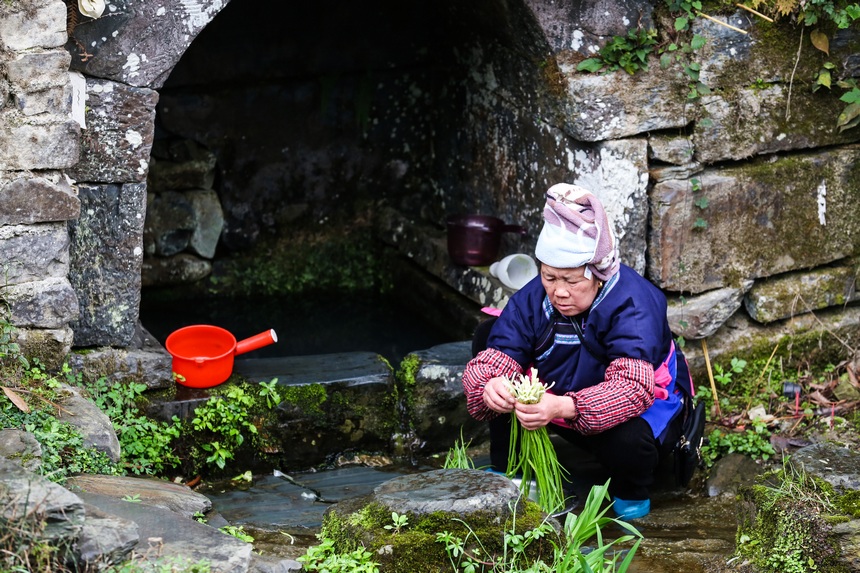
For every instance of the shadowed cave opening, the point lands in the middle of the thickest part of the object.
(306, 122)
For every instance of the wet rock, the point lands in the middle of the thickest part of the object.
(208, 221)
(38, 200)
(23, 28)
(169, 223)
(585, 27)
(460, 492)
(105, 539)
(106, 254)
(180, 165)
(166, 533)
(52, 144)
(28, 499)
(730, 473)
(127, 47)
(120, 128)
(439, 409)
(697, 317)
(268, 564)
(741, 235)
(51, 303)
(674, 149)
(179, 499)
(50, 346)
(791, 294)
(430, 501)
(144, 361)
(178, 269)
(839, 466)
(617, 105)
(21, 447)
(33, 252)
(95, 427)
(789, 522)
(331, 403)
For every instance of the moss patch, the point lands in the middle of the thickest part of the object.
(788, 526)
(415, 548)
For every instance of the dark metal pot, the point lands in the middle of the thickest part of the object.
(473, 240)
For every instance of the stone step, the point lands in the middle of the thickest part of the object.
(349, 368)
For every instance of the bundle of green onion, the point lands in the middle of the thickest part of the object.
(531, 452)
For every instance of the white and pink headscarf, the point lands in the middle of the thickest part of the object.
(576, 233)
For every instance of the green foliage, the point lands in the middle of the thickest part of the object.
(685, 12)
(10, 352)
(850, 116)
(324, 559)
(398, 522)
(753, 442)
(145, 444)
(585, 550)
(269, 391)
(788, 532)
(724, 376)
(629, 53)
(63, 450)
(307, 262)
(458, 456)
(590, 542)
(224, 420)
(238, 532)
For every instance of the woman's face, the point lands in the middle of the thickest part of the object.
(568, 289)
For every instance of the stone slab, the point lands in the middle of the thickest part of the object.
(351, 368)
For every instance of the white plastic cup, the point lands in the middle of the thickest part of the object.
(514, 271)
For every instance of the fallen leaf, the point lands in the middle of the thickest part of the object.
(818, 398)
(16, 399)
(820, 41)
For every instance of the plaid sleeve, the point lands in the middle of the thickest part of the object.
(488, 364)
(626, 392)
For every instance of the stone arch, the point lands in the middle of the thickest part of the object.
(633, 138)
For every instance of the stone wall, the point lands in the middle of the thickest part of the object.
(775, 238)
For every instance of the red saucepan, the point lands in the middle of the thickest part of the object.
(473, 240)
(203, 354)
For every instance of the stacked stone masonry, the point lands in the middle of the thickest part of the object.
(776, 239)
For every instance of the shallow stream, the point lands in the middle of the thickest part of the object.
(683, 532)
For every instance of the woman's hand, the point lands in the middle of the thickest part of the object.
(534, 416)
(497, 396)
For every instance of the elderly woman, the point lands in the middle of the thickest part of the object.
(598, 330)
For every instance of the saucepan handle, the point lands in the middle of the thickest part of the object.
(257, 341)
(514, 229)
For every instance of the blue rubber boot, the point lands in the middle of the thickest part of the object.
(631, 509)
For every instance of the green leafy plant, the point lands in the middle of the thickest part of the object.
(269, 390)
(458, 456)
(586, 548)
(225, 419)
(470, 555)
(724, 375)
(325, 559)
(850, 116)
(145, 444)
(398, 522)
(31, 406)
(753, 442)
(581, 529)
(238, 532)
(629, 53)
